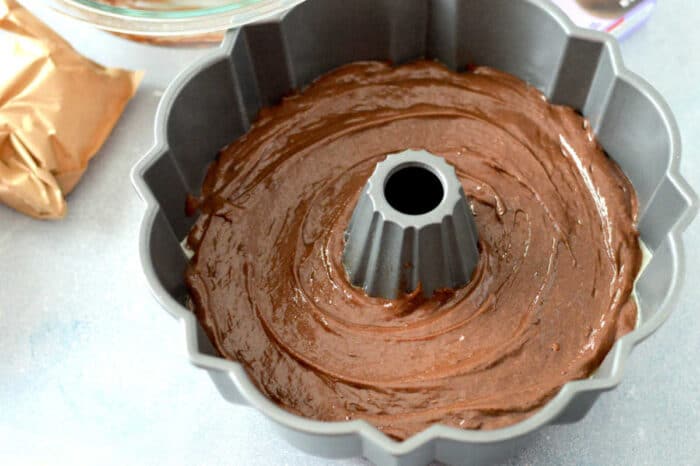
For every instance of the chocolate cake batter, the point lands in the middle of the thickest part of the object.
(551, 294)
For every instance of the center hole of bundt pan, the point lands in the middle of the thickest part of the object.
(413, 190)
(412, 226)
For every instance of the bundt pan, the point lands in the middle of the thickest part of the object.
(216, 99)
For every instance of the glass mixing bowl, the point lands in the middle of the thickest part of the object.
(170, 17)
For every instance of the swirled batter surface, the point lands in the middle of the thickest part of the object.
(551, 293)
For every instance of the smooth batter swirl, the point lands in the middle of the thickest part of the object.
(551, 294)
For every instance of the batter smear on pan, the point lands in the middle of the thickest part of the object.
(550, 295)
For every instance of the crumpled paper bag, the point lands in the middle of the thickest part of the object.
(56, 110)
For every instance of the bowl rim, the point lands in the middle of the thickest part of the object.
(161, 23)
(549, 412)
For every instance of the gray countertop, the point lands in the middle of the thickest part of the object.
(94, 371)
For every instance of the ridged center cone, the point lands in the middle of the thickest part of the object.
(412, 226)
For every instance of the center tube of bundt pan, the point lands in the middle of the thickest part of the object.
(411, 227)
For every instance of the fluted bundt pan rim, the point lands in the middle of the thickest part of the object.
(340, 439)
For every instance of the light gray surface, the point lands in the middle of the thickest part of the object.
(94, 370)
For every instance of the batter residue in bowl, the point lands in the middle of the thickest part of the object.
(551, 294)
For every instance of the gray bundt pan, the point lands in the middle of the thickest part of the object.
(215, 100)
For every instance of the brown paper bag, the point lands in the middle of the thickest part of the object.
(56, 110)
